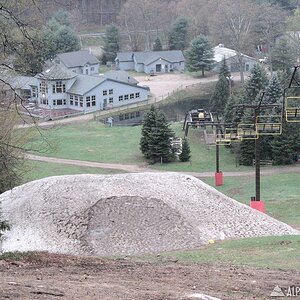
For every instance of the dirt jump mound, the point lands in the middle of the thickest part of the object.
(126, 214)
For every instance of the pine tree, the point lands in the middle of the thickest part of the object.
(247, 152)
(185, 155)
(200, 55)
(286, 145)
(256, 82)
(274, 90)
(111, 46)
(178, 34)
(156, 137)
(157, 45)
(220, 96)
(149, 122)
(224, 70)
(282, 56)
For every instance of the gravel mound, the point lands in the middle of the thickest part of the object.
(126, 214)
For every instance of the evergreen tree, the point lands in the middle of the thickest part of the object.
(157, 45)
(224, 70)
(200, 55)
(59, 37)
(233, 111)
(111, 40)
(155, 142)
(247, 152)
(149, 122)
(178, 34)
(185, 155)
(256, 83)
(274, 90)
(220, 96)
(282, 56)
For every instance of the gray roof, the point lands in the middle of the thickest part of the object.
(56, 72)
(125, 56)
(77, 58)
(220, 52)
(17, 81)
(147, 57)
(121, 76)
(85, 83)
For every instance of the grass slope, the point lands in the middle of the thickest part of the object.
(264, 252)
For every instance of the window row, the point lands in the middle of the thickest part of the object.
(76, 100)
(59, 102)
(58, 87)
(129, 96)
(132, 115)
(110, 92)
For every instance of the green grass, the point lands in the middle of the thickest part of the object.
(280, 192)
(93, 141)
(38, 170)
(264, 252)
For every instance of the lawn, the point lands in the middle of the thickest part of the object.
(37, 170)
(280, 192)
(264, 252)
(94, 141)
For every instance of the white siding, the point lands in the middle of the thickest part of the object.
(118, 90)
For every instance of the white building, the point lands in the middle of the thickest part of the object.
(80, 62)
(151, 61)
(230, 55)
(61, 88)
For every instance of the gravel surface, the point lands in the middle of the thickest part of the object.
(126, 214)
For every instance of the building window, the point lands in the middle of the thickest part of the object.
(43, 86)
(111, 100)
(76, 100)
(92, 69)
(137, 95)
(111, 91)
(132, 115)
(80, 101)
(71, 100)
(104, 92)
(121, 117)
(34, 91)
(58, 87)
(126, 97)
(65, 101)
(137, 114)
(88, 101)
(126, 116)
(131, 96)
(120, 98)
(54, 102)
(93, 100)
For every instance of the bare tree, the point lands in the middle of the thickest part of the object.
(233, 24)
(269, 25)
(144, 20)
(199, 14)
(14, 34)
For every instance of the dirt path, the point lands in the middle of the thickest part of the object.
(144, 168)
(67, 277)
